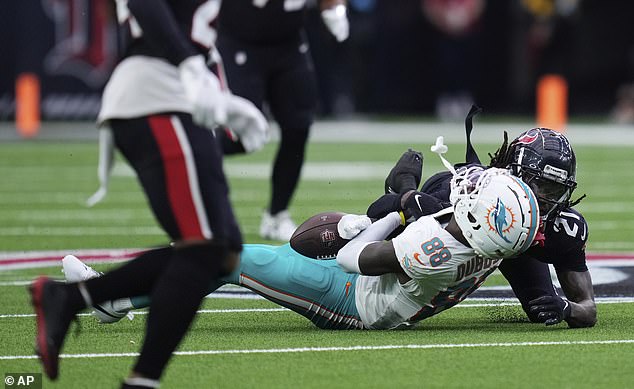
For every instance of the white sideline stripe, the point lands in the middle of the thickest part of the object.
(81, 231)
(349, 348)
(502, 302)
(241, 310)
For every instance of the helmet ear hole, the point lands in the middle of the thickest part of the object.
(471, 218)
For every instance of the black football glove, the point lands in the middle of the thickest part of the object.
(550, 309)
(406, 174)
(415, 204)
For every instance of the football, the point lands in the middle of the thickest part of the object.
(317, 237)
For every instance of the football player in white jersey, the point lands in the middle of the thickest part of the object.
(434, 264)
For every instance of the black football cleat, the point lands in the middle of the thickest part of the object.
(53, 319)
(406, 174)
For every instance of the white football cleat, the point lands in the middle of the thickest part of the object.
(277, 227)
(76, 271)
(106, 312)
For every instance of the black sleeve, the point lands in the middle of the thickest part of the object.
(529, 279)
(383, 205)
(417, 204)
(161, 29)
(565, 245)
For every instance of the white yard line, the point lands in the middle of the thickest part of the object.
(469, 303)
(409, 130)
(348, 348)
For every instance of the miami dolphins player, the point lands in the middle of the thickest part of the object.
(436, 262)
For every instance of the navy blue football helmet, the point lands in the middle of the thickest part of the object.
(544, 160)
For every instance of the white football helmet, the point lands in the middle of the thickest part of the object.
(497, 213)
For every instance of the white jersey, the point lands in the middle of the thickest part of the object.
(443, 272)
(142, 86)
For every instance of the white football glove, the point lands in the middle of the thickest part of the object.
(336, 20)
(202, 89)
(351, 225)
(247, 122)
(211, 106)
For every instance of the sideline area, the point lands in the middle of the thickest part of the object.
(376, 131)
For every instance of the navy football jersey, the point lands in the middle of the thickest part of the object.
(171, 29)
(262, 21)
(565, 242)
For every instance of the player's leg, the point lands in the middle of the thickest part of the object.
(406, 174)
(179, 165)
(56, 304)
(438, 185)
(319, 290)
(316, 289)
(291, 94)
(207, 238)
(244, 76)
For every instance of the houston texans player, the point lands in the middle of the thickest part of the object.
(544, 159)
(267, 60)
(161, 103)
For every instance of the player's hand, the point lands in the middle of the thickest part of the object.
(247, 122)
(351, 225)
(412, 205)
(202, 89)
(550, 309)
(336, 20)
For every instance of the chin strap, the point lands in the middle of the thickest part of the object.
(106, 158)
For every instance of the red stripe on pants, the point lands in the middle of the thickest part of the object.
(178, 189)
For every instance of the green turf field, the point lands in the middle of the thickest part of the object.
(249, 343)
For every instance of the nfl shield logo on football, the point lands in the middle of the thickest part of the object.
(328, 238)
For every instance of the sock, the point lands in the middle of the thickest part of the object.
(140, 302)
(123, 304)
(135, 278)
(175, 300)
(287, 168)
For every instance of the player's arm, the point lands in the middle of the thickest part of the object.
(577, 287)
(210, 106)
(369, 254)
(412, 204)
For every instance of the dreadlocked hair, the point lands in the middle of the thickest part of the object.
(501, 157)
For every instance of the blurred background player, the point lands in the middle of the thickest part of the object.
(455, 44)
(266, 59)
(161, 103)
(545, 160)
